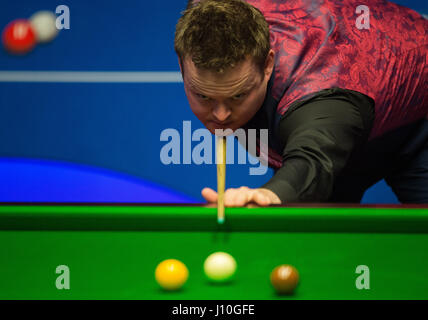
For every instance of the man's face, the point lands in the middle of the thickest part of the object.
(227, 100)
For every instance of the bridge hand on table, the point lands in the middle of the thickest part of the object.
(243, 196)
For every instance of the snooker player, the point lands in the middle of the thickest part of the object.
(345, 106)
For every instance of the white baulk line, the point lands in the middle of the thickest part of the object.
(89, 76)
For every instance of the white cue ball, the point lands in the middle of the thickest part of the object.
(44, 25)
(220, 267)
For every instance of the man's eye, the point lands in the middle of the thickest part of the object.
(202, 97)
(239, 96)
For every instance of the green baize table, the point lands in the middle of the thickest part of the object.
(111, 250)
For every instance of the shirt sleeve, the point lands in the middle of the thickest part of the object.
(318, 137)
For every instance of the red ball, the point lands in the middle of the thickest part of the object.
(19, 37)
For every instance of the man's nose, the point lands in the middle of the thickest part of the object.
(221, 112)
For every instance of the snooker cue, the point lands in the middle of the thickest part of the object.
(221, 177)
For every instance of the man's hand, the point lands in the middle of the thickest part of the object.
(243, 196)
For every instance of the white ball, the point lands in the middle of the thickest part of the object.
(44, 24)
(220, 267)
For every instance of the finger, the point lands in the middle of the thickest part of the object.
(238, 197)
(260, 199)
(209, 194)
(252, 205)
(241, 198)
(229, 197)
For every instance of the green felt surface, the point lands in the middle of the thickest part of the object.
(116, 258)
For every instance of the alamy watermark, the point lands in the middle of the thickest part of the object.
(180, 148)
(362, 282)
(62, 282)
(62, 20)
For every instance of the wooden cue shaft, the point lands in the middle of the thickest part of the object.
(221, 177)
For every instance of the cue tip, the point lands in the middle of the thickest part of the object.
(220, 220)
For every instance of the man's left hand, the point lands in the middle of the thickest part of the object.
(243, 196)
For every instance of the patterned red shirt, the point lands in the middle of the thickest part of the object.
(318, 46)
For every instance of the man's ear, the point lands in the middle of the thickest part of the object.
(180, 64)
(270, 63)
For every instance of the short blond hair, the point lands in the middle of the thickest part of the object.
(218, 34)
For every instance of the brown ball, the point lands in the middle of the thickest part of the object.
(284, 279)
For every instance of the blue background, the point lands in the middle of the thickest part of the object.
(101, 141)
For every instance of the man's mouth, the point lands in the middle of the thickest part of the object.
(221, 125)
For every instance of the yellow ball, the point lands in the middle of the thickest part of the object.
(171, 274)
